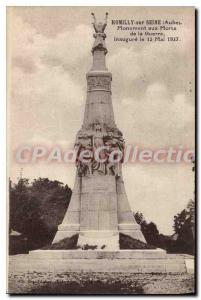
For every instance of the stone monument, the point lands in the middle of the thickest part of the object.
(99, 209)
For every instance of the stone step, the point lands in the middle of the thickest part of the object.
(101, 265)
(140, 262)
(98, 254)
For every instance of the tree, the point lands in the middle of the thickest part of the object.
(184, 224)
(37, 208)
(179, 221)
(149, 230)
(191, 212)
(139, 218)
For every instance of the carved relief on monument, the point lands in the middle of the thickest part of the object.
(83, 143)
(99, 82)
(97, 145)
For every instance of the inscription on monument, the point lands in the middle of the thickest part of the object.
(99, 82)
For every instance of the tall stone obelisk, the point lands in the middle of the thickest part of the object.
(99, 209)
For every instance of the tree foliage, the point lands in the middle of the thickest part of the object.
(149, 230)
(184, 223)
(184, 226)
(37, 208)
(183, 241)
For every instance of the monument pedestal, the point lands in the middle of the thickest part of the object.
(98, 212)
(133, 261)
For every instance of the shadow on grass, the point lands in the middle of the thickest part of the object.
(127, 242)
(67, 243)
(96, 288)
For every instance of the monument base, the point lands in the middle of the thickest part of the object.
(132, 230)
(66, 231)
(100, 239)
(133, 261)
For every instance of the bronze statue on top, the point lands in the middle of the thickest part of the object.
(99, 36)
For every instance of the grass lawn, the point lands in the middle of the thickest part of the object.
(100, 283)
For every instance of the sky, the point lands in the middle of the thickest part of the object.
(48, 55)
